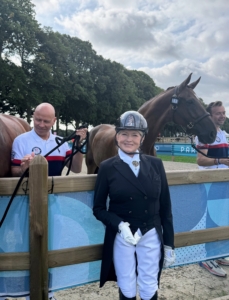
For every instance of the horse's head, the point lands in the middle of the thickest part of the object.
(189, 112)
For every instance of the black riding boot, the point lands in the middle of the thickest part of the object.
(154, 297)
(122, 297)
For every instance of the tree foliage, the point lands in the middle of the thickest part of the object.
(39, 65)
(18, 42)
(18, 28)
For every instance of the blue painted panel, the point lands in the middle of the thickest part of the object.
(175, 149)
(164, 148)
(183, 150)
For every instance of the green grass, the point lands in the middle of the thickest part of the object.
(184, 159)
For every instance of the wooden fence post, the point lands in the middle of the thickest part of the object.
(38, 217)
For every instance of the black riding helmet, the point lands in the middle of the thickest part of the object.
(131, 120)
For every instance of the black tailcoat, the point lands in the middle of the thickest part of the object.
(143, 201)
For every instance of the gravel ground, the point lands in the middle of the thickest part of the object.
(181, 283)
(169, 166)
(173, 166)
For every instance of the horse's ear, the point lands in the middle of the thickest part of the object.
(194, 84)
(184, 83)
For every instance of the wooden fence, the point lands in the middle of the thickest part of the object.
(39, 259)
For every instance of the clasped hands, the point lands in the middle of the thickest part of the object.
(126, 234)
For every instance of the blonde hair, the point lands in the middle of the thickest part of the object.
(139, 131)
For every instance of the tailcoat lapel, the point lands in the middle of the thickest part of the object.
(126, 172)
(145, 166)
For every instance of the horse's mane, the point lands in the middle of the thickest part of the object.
(160, 94)
(169, 88)
(157, 96)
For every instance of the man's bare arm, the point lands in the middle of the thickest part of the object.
(77, 161)
(204, 161)
(17, 171)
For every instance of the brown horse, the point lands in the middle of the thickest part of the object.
(178, 104)
(10, 127)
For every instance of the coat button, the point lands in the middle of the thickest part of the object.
(145, 197)
(130, 212)
(146, 211)
(144, 224)
(131, 198)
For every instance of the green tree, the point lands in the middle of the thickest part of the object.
(226, 125)
(80, 93)
(18, 41)
(61, 71)
(47, 70)
(202, 102)
(115, 91)
(18, 29)
(144, 84)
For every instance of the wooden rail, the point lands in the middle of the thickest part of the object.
(71, 256)
(58, 184)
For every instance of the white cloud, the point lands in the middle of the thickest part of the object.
(214, 77)
(126, 4)
(112, 28)
(44, 7)
(164, 38)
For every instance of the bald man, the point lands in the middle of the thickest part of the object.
(40, 140)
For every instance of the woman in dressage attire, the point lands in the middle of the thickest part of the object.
(139, 238)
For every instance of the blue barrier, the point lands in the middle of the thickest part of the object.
(165, 148)
(175, 149)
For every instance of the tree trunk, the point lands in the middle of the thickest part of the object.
(28, 117)
(66, 129)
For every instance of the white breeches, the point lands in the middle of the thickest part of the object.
(148, 252)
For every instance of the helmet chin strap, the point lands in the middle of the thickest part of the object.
(130, 153)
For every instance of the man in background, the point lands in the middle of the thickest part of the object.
(39, 141)
(215, 150)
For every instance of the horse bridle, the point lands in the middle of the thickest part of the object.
(175, 102)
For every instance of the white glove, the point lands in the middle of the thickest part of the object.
(126, 233)
(169, 256)
(137, 237)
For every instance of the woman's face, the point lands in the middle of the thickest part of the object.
(129, 140)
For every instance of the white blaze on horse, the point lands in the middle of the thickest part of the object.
(177, 104)
(10, 128)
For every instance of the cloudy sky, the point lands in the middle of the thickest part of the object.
(167, 39)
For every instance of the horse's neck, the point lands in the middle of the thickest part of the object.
(157, 113)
